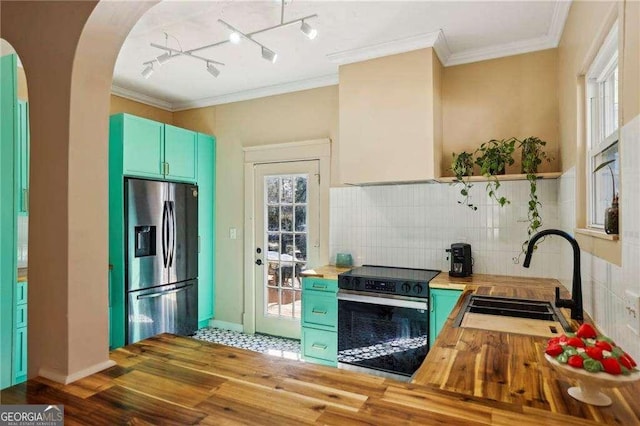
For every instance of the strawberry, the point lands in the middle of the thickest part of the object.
(626, 363)
(611, 366)
(576, 342)
(554, 349)
(563, 339)
(605, 346)
(553, 341)
(595, 353)
(575, 361)
(586, 331)
(633, 363)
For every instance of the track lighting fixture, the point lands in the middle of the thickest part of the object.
(269, 55)
(212, 69)
(146, 73)
(308, 30)
(162, 59)
(235, 37)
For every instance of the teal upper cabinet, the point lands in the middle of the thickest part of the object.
(206, 228)
(180, 154)
(142, 145)
(156, 150)
(22, 160)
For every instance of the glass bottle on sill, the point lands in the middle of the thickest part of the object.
(611, 217)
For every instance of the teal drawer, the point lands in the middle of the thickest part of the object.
(320, 344)
(319, 309)
(20, 355)
(320, 284)
(21, 315)
(21, 293)
(320, 361)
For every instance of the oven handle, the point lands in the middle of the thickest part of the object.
(384, 301)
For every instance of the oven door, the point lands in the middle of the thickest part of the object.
(384, 333)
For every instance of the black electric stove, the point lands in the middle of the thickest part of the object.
(383, 320)
(388, 280)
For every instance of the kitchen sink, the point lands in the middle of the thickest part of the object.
(511, 307)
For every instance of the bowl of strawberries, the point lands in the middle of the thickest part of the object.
(594, 361)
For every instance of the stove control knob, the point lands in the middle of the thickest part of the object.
(406, 288)
(417, 288)
(355, 283)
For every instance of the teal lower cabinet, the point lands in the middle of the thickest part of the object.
(320, 321)
(441, 302)
(20, 336)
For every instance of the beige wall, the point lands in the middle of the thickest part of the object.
(119, 104)
(305, 115)
(631, 62)
(500, 98)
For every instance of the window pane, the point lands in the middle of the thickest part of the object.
(301, 190)
(301, 247)
(273, 245)
(273, 301)
(273, 213)
(301, 218)
(273, 184)
(603, 185)
(287, 218)
(287, 190)
(287, 245)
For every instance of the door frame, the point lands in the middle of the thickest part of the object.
(317, 149)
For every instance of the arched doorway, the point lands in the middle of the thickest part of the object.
(69, 50)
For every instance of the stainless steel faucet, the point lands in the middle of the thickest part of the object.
(575, 303)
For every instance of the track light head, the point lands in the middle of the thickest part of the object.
(146, 73)
(235, 37)
(212, 69)
(162, 59)
(269, 55)
(308, 30)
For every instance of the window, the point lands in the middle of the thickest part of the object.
(602, 129)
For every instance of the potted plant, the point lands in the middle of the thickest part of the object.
(462, 166)
(493, 157)
(611, 213)
(532, 156)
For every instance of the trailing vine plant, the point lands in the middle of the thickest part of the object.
(493, 157)
(462, 167)
(532, 156)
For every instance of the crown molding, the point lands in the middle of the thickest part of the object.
(407, 44)
(441, 47)
(559, 18)
(261, 92)
(140, 97)
(501, 50)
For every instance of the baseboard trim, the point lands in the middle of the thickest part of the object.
(65, 379)
(227, 325)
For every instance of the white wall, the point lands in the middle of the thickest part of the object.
(412, 225)
(604, 284)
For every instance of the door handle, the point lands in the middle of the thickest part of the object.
(259, 262)
(164, 234)
(317, 312)
(164, 293)
(172, 234)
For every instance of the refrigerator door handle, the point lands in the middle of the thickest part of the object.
(172, 225)
(165, 232)
(164, 293)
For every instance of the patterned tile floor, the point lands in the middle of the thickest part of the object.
(270, 345)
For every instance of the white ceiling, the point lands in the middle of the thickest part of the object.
(348, 31)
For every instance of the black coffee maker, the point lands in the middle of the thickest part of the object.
(461, 261)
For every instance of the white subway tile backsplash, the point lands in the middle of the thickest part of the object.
(412, 225)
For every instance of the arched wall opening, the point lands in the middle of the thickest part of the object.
(69, 50)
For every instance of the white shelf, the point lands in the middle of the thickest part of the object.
(503, 178)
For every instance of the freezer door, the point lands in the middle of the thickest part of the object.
(146, 226)
(168, 309)
(183, 219)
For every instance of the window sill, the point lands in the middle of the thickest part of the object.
(597, 234)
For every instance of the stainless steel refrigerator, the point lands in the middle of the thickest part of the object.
(162, 258)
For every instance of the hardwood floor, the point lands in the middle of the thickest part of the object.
(179, 381)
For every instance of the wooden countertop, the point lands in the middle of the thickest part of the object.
(328, 271)
(22, 274)
(510, 368)
(178, 380)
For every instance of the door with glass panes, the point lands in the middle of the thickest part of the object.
(287, 240)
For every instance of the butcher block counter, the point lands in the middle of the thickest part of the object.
(508, 367)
